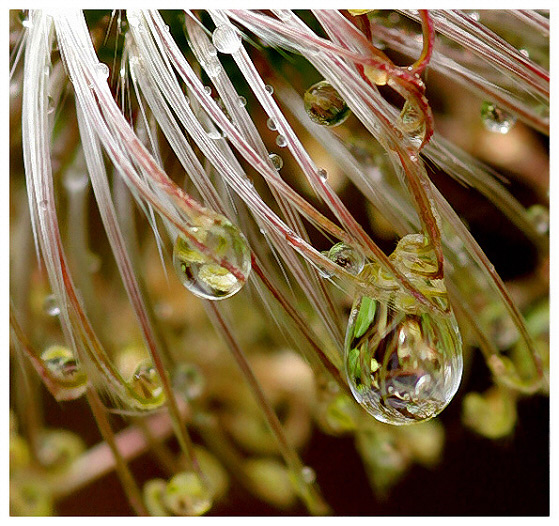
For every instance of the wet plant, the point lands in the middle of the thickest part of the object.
(234, 230)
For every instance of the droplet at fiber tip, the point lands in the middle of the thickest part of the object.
(203, 276)
(324, 105)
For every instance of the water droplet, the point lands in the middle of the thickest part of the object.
(133, 18)
(58, 448)
(269, 89)
(540, 217)
(60, 361)
(145, 382)
(415, 255)
(308, 474)
(185, 495)
(474, 15)
(44, 204)
(283, 14)
(51, 106)
(525, 52)
(412, 122)
(208, 90)
(76, 180)
(378, 76)
(102, 70)
(25, 19)
(215, 134)
(93, 263)
(495, 119)
(271, 124)
(403, 363)
(277, 161)
(324, 105)
(226, 39)
(50, 305)
(212, 51)
(188, 380)
(280, 141)
(242, 101)
(323, 174)
(347, 257)
(200, 274)
(213, 68)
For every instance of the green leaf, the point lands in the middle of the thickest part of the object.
(365, 317)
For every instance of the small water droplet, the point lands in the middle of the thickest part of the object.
(43, 203)
(60, 361)
(271, 124)
(378, 76)
(226, 39)
(540, 217)
(412, 122)
(93, 262)
(212, 51)
(25, 19)
(133, 18)
(242, 101)
(269, 89)
(324, 105)
(280, 141)
(323, 174)
(347, 257)
(308, 474)
(50, 305)
(76, 180)
(277, 161)
(525, 52)
(283, 14)
(495, 119)
(208, 90)
(145, 382)
(185, 495)
(167, 28)
(51, 106)
(474, 15)
(200, 274)
(213, 68)
(188, 380)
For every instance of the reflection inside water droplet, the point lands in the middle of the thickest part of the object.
(496, 119)
(203, 276)
(403, 362)
(50, 305)
(226, 39)
(324, 105)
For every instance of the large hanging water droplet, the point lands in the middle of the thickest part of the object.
(226, 39)
(403, 362)
(324, 105)
(495, 119)
(401, 367)
(61, 363)
(204, 277)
